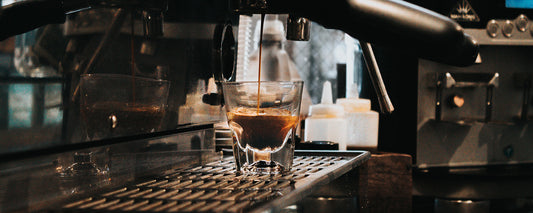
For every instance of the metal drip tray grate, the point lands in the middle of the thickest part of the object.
(215, 187)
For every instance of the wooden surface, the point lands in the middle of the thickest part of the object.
(386, 183)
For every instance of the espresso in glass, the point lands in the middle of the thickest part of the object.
(263, 117)
(263, 131)
(263, 127)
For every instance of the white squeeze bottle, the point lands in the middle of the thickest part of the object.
(363, 123)
(326, 120)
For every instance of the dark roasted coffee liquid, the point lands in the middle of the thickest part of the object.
(267, 130)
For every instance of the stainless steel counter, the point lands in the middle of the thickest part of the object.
(216, 187)
(180, 171)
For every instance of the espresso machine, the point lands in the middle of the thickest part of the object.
(53, 166)
(467, 128)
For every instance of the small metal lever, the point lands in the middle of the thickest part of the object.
(385, 103)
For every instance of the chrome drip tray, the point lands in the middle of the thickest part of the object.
(216, 187)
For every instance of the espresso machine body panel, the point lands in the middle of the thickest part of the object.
(480, 115)
(476, 122)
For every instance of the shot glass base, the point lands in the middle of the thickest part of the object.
(263, 168)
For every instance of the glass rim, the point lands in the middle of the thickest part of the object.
(121, 76)
(262, 82)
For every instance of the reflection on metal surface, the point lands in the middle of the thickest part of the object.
(473, 206)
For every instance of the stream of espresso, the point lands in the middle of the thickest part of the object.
(259, 72)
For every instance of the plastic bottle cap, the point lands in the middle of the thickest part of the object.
(353, 103)
(326, 94)
(326, 109)
(352, 92)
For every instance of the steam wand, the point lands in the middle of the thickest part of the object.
(385, 103)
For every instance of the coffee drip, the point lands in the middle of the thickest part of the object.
(260, 56)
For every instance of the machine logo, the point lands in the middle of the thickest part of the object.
(464, 12)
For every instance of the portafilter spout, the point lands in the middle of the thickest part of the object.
(298, 27)
(152, 12)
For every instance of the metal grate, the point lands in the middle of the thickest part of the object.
(213, 187)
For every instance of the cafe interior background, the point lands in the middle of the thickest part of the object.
(453, 136)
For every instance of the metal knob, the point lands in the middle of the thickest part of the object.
(113, 122)
(298, 28)
(521, 22)
(508, 28)
(492, 28)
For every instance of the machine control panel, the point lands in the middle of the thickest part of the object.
(518, 31)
